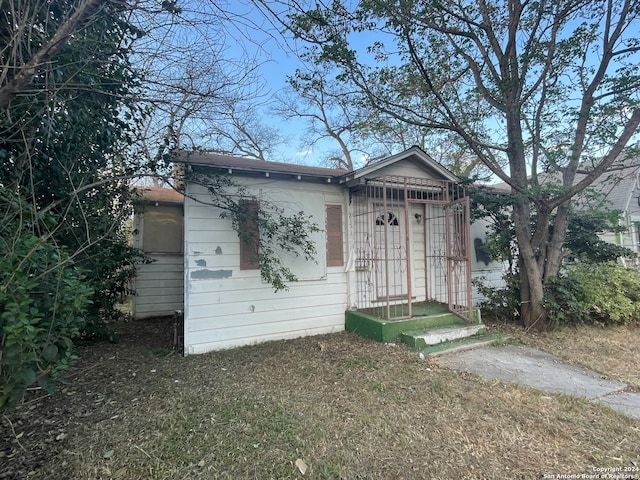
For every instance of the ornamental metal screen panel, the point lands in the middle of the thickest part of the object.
(458, 258)
(391, 217)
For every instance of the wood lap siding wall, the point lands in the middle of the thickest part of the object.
(227, 305)
(159, 285)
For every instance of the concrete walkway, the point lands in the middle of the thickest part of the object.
(540, 370)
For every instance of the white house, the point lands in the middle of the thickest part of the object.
(620, 190)
(393, 234)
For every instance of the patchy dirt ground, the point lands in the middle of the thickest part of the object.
(33, 433)
(333, 406)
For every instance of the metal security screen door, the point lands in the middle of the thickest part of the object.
(411, 245)
(458, 257)
(390, 252)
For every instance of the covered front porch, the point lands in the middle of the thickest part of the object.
(412, 260)
(410, 244)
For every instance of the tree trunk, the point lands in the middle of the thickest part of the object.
(532, 309)
(554, 251)
(537, 319)
(534, 315)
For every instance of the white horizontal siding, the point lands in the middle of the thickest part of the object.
(252, 287)
(255, 308)
(148, 308)
(159, 287)
(171, 274)
(405, 168)
(274, 315)
(491, 278)
(226, 306)
(490, 273)
(202, 344)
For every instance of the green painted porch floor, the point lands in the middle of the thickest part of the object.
(425, 315)
(421, 309)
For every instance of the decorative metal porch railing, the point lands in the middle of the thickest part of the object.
(411, 245)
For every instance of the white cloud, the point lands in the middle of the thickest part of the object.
(304, 153)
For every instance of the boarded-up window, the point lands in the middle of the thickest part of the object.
(162, 229)
(334, 236)
(249, 234)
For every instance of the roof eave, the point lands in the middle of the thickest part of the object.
(267, 173)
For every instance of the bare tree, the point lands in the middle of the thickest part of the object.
(202, 88)
(330, 111)
(19, 63)
(78, 80)
(336, 111)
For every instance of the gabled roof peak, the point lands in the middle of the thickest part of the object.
(414, 154)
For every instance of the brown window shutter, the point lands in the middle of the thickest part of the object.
(335, 255)
(249, 234)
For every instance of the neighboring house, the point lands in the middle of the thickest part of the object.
(393, 234)
(484, 268)
(616, 190)
(621, 191)
(158, 231)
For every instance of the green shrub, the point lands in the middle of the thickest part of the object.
(607, 293)
(43, 297)
(111, 280)
(565, 301)
(501, 304)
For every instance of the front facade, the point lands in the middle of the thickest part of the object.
(392, 234)
(226, 302)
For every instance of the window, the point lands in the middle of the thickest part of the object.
(335, 255)
(249, 234)
(162, 229)
(390, 219)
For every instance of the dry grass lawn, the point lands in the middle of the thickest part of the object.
(335, 406)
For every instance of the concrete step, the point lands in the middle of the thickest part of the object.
(421, 339)
(469, 343)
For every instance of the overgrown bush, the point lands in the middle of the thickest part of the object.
(501, 304)
(602, 292)
(584, 292)
(43, 297)
(111, 280)
(565, 300)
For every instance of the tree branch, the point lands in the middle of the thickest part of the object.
(27, 71)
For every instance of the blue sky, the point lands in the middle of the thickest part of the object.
(257, 39)
(262, 41)
(251, 35)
